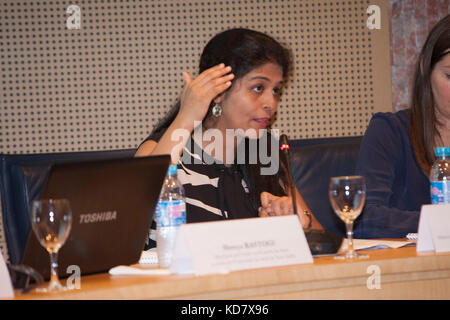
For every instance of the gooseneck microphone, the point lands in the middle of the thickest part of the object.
(319, 241)
(285, 149)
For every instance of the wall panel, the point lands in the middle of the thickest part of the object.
(105, 85)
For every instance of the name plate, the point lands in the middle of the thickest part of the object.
(221, 247)
(6, 288)
(434, 228)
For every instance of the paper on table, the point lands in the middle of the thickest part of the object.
(149, 257)
(369, 244)
(138, 270)
(148, 265)
(6, 288)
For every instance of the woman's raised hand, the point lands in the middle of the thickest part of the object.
(198, 93)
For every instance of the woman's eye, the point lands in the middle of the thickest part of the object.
(258, 88)
(277, 92)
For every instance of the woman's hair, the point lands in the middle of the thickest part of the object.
(423, 122)
(243, 50)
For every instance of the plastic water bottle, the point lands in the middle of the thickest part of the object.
(440, 177)
(170, 214)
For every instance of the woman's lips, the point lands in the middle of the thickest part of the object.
(262, 122)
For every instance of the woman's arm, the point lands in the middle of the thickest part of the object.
(392, 175)
(302, 207)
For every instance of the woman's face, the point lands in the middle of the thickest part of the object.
(252, 100)
(440, 85)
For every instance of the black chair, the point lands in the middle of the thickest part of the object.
(22, 178)
(313, 162)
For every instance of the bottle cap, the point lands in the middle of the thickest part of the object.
(172, 169)
(442, 151)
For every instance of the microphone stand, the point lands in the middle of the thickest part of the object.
(285, 149)
(319, 241)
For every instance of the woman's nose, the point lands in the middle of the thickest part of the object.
(270, 104)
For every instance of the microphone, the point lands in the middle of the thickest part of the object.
(319, 241)
(285, 149)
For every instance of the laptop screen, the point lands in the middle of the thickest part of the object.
(112, 205)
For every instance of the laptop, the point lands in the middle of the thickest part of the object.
(112, 205)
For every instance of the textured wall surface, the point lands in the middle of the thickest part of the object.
(411, 20)
(105, 85)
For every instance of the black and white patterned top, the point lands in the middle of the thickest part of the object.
(213, 191)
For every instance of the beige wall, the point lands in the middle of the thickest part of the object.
(105, 85)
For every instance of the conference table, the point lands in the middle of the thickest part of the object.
(400, 273)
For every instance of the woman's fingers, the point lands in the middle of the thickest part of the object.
(208, 84)
(198, 93)
(275, 206)
(282, 206)
(262, 212)
(217, 86)
(213, 83)
(266, 198)
(212, 73)
(213, 77)
(217, 90)
(187, 78)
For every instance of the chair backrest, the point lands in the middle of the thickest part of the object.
(22, 178)
(313, 162)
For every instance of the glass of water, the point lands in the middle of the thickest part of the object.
(347, 196)
(51, 220)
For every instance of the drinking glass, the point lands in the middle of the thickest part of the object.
(347, 196)
(51, 220)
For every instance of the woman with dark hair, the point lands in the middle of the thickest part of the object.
(397, 150)
(219, 116)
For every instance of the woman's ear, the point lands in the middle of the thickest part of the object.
(219, 99)
(223, 96)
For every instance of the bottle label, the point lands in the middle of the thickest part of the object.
(440, 192)
(170, 213)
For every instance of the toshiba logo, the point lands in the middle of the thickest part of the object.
(98, 217)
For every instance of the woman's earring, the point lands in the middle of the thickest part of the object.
(217, 110)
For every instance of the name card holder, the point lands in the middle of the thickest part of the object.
(434, 228)
(225, 246)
